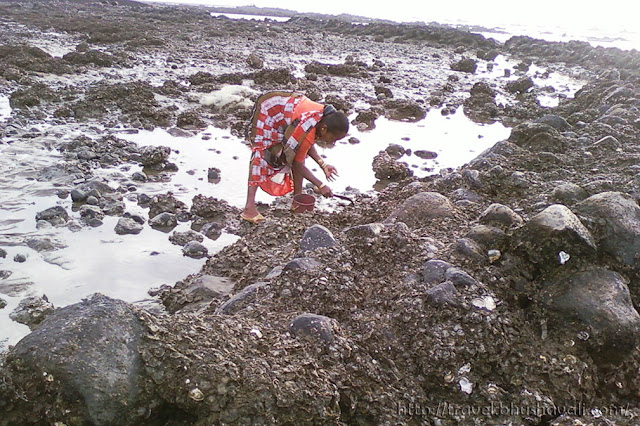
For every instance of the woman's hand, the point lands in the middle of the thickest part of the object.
(330, 172)
(325, 191)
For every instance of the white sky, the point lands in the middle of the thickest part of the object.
(609, 14)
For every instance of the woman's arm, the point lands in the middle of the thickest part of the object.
(328, 169)
(301, 172)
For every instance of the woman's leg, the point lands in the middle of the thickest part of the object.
(250, 209)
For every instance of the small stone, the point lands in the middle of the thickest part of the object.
(303, 264)
(443, 294)
(500, 215)
(426, 155)
(3, 303)
(55, 215)
(459, 278)
(20, 258)
(164, 220)
(433, 271)
(78, 196)
(93, 201)
(3, 253)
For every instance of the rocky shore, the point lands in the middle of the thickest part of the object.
(503, 292)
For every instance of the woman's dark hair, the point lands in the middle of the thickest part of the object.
(336, 121)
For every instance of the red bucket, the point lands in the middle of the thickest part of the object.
(303, 203)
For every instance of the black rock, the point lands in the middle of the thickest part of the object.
(315, 327)
(303, 264)
(89, 353)
(465, 65)
(444, 293)
(459, 277)
(597, 302)
(433, 271)
(3, 253)
(316, 237)
(164, 220)
(241, 300)
(20, 258)
(555, 121)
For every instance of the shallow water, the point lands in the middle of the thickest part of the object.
(91, 260)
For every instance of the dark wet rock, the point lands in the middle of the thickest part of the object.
(383, 92)
(556, 229)
(425, 155)
(213, 174)
(3, 303)
(111, 207)
(433, 271)
(555, 121)
(465, 65)
(82, 359)
(568, 193)
(367, 117)
(255, 61)
(164, 220)
(387, 168)
(488, 55)
(201, 77)
(127, 226)
(30, 58)
(316, 237)
(190, 120)
(520, 85)
(241, 300)
(182, 238)
(3, 253)
(596, 301)
(153, 155)
(90, 213)
(165, 203)
(443, 294)
(195, 250)
(212, 230)
(423, 208)
(54, 215)
(33, 96)
(488, 236)
(32, 311)
(209, 207)
(459, 278)
(302, 264)
(395, 150)
(139, 177)
(78, 195)
(279, 76)
(500, 215)
(404, 110)
(94, 57)
(614, 220)
(19, 258)
(313, 327)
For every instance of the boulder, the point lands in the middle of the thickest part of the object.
(538, 137)
(183, 238)
(153, 155)
(80, 365)
(422, 208)
(313, 327)
(556, 229)
(316, 237)
(595, 303)
(487, 236)
(614, 219)
(404, 110)
(197, 294)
